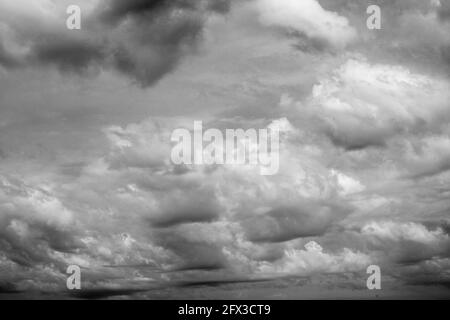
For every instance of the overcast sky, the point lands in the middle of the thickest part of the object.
(85, 172)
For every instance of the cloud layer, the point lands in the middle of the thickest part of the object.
(141, 39)
(86, 176)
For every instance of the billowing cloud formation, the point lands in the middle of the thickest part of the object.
(143, 39)
(286, 223)
(86, 176)
(408, 242)
(33, 224)
(365, 105)
(428, 156)
(312, 259)
(309, 18)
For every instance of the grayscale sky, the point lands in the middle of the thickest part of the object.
(85, 172)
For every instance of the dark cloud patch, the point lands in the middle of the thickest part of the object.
(219, 283)
(19, 250)
(196, 267)
(7, 59)
(431, 170)
(116, 10)
(290, 222)
(430, 281)
(352, 142)
(142, 39)
(445, 226)
(444, 10)
(61, 241)
(192, 206)
(445, 53)
(102, 293)
(312, 45)
(191, 253)
(153, 47)
(31, 250)
(220, 6)
(411, 252)
(8, 288)
(27, 236)
(72, 169)
(181, 215)
(151, 267)
(3, 154)
(408, 243)
(152, 35)
(72, 55)
(430, 273)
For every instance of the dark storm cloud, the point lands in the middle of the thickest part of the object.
(183, 209)
(351, 142)
(184, 268)
(192, 251)
(32, 249)
(311, 45)
(445, 53)
(198, 267)
(444, 10)
(443, 225)
(408, 243)
(219, 283)
(291, 222)
(142, 39)
(432, 170)
(102, 293)
(6, 59)
(8, 288)
(61, 241)
(26, 233)
(413, 253)
(117, 10)
(432, 281)
(73, 55)
(158, 33)
(220, 6)
(2, 154)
